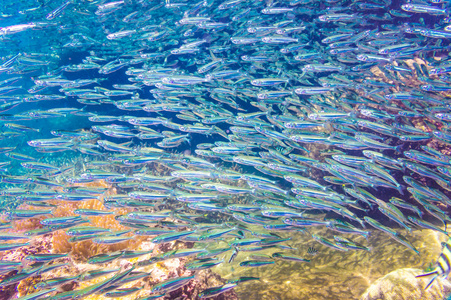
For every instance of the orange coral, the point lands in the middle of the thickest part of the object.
(86, 249)
(27, 224)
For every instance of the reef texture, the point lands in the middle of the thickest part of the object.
(402, 284)
(334, 274)
(158, 272)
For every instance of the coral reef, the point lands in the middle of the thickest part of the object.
(402, 284)
(158, 272)
(204, 279)
(41, 244)
(27, 224)
(58, 242)
(86, 249)
(332, 274)
(7, 292)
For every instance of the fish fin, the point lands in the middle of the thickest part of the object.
(361, 222)
(430, 282)
(428, 274)
(188, 138)
(213, 57)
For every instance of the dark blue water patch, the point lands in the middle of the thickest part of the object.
(71, 57)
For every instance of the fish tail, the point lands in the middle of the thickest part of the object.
(328, 126)
(361, 222)
(401, 189)
(188, 138)
(354, 113)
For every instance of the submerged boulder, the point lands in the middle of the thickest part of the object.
(402, 284)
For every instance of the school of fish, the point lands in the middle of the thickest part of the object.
(260, 116)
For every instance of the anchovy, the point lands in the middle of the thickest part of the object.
(283, 256)
(171, 284)
(426, 224)
(255, 263)
(168, 237)
(214, 291)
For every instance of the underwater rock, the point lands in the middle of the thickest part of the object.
(402, 284)
(8, 292)
(204, 279)
(332, 274)
(158, 272)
